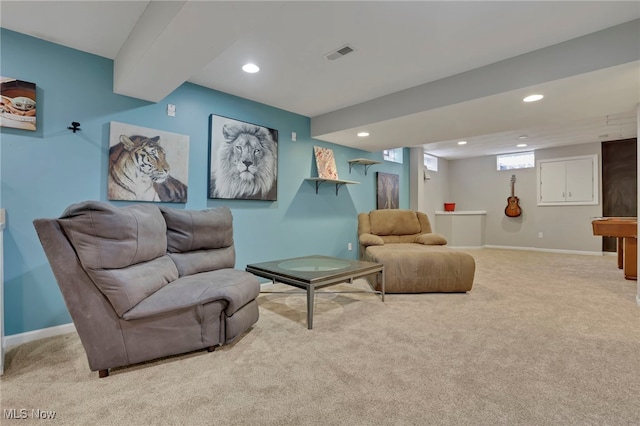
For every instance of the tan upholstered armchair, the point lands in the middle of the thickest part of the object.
(415, 259)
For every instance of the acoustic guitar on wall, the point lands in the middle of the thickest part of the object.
(513, 203)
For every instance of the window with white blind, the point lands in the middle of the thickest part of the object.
(520, 160)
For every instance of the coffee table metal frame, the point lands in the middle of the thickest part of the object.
(310, 281)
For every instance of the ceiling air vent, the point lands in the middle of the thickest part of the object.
(344, 50)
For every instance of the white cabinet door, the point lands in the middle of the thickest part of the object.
(568, 181)
(580, 180)
(552, 182)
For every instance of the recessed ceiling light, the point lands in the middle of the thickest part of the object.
(250, 68)
(462, 143)
(532, 98)
(521, 145)
(363, 134)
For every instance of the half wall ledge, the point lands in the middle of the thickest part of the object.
(462, 228)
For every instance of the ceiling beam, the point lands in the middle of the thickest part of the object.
(603, 49)
(173, 40)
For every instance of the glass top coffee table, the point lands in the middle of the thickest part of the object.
(312, 272)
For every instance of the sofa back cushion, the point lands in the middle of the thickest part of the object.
(105, 236)
(200, 241)
(394, 222)
(123, 249)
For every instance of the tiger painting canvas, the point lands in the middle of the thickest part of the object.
(147, 164)
(243, 163)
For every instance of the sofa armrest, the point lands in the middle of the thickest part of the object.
(431, 239)
(370, 240)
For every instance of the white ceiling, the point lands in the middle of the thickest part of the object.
(423, 72)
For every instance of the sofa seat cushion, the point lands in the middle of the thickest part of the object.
(200, 241)
(416, 268)
(235, 287)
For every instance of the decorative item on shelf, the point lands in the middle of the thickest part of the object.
(327, 172)
(449, 207)
(513, 203)
(325, 163)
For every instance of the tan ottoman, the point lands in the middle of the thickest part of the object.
(415, 268)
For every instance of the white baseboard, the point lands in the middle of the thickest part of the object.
(590, 253)
(30, 336)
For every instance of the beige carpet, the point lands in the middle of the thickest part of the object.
(542, 339)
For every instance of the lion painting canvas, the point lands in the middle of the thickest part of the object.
(243, 160)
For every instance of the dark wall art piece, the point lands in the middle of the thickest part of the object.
(243, 160)
(388, 191)
(147, 164)
(17, 104)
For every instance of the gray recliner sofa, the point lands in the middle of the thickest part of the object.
(143, 282)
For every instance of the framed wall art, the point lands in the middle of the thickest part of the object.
(388, 191)
(17, 104)
(147, 164)
(243, 160)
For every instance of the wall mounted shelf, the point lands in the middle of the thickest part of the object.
(338, 182)
(364, 162)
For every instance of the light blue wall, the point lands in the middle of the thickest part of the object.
(43, 172)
